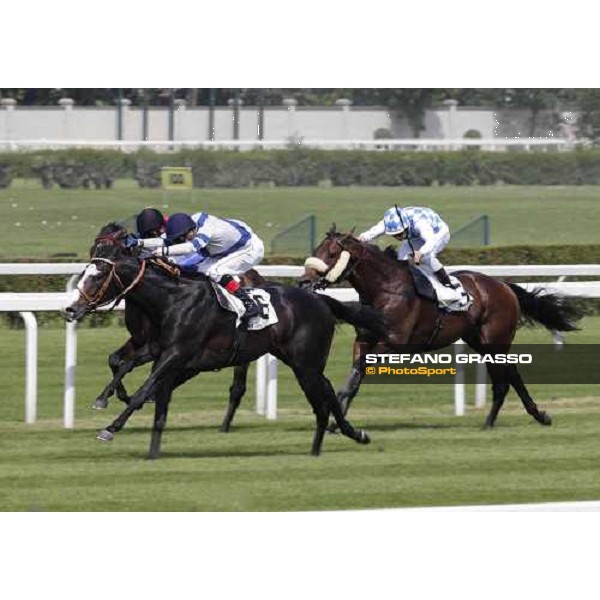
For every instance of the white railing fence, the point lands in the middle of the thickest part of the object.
(266, 367)
(490, 144)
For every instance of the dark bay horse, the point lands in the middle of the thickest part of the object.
(489, 326)
(195, 334)
(138, 349)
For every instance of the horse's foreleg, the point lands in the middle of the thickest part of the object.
(140, 357)
(236, 393)
(350, 389)
(165, 367)
(161, 408)
(115, 361)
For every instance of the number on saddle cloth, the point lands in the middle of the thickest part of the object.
(260, 301)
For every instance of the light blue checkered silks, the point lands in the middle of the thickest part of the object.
(409, 216)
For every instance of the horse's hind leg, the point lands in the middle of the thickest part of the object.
(321, 396)
(503, 376)
(499, 392)
(530, 406)
(236, 393)
(496, 372)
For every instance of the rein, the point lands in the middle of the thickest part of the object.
(97, 300)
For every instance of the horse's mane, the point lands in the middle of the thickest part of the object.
(108, 237)
(388, 254)
(110, 229)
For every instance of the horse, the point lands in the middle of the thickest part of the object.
(489, 325)
(136, 351)
(195, 334)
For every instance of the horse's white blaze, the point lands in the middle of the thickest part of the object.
(90, 271)
(73, 297)
(312, 262)
(339, 267)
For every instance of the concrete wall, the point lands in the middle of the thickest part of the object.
(280, 123)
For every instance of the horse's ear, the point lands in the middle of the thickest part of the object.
(332, 230)
(352, 231)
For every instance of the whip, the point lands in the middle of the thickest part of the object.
(405, 227)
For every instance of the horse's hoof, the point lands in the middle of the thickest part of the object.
(100, 404)
(546, 419)
(363, 437)
(105, 436)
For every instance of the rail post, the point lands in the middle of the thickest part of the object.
(31, 361)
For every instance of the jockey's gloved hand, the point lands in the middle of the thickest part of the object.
(145, 254)
(131, 241)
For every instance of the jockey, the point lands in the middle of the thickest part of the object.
(222, 249)
(423, 234)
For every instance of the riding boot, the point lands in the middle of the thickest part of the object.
(445, 280)
(252, 309)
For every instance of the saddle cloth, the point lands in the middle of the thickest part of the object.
(232, 304)
(447, 299)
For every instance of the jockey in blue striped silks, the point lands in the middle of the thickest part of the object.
(222, 249)
(423, 233)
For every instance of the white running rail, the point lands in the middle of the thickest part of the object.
(266, 382)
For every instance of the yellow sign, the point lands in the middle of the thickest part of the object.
(176, 178)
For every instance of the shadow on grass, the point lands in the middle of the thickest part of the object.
(205, 453)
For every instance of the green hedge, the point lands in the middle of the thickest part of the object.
(69, 169)
(305, 167)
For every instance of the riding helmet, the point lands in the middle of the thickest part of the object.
(393, 222)
(149, 222)
(179, 224)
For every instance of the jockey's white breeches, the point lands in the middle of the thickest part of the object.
(236, 263)
(429, 261)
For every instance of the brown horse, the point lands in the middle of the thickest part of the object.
(489, 326)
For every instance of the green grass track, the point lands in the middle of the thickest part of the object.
(421, 453)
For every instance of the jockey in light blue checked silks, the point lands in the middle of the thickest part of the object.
(423, 234)
(222, 249)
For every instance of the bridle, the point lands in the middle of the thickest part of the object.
(340, 270)
(97, 300)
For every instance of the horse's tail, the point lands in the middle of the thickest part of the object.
(357, 314)
(553, 311)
